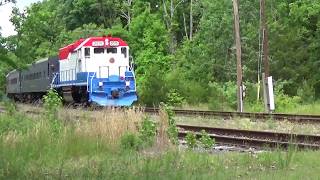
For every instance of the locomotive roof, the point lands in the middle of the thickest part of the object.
(101, 41)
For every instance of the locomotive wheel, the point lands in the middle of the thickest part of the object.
(76, 94)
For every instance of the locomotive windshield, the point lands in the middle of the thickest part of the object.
(112, 50)
(98, 50)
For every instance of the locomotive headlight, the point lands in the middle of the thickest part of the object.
(100, 84)
(127, 83)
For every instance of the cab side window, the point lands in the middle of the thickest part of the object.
(87, 52)
(124, 51)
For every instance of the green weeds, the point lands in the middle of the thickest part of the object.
(205, 140)
(191, 140)
(172, 128)
(52, 102)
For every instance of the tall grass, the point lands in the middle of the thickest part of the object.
(89, 149)
(111, 124)
(22, 153)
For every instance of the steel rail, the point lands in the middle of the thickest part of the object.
(296, 118)
(254, 138)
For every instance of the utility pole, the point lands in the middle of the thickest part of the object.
(266, 79)
(238, 49)
(191, 20)
(264, 32)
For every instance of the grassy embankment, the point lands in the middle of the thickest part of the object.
(36, 149)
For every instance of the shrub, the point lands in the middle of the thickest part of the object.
(306, 92)
(206, 140)
(10, 107)
(191, 140)
(283, 102)
(151, 86)
(52, 102)
(147, 131)
(172, 129)
(16, 122)
(130, 141)
(174, 98)
(222, 95)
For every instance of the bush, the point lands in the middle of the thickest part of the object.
(52, 102)
(191, 140)
(283, 102)
(130, 141)
(172, 129)
(174, 98)
(222, 96)
(306, 92)
(14, 122)
(206, 140)
(10, 107)
(151, 87)
(147, 131)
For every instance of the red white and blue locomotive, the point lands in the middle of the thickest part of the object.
(96, 70)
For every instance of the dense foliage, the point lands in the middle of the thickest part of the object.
(184, 49)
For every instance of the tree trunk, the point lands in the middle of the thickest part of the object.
(185, 25)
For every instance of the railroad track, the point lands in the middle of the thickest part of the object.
(295, 118)
(239, 137)
(257, 139)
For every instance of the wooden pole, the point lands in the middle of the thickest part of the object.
(265, 93)
(238, 49)
(264, 32)
(191, 20)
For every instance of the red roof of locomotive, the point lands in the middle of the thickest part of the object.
(64, 52)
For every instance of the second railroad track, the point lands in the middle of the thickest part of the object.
(256, 139)
(296, 118)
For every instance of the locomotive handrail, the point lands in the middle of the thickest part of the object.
(135, 85)
(68, 75)
(53, 79)
(88, 81)
(91, 81)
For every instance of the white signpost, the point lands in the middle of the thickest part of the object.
(271, 94)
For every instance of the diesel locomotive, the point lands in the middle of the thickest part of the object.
(95, 70)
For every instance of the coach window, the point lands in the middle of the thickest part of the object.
(14, 81)
(98, 50)
(124, 51)
(112, 50)
(87, 52)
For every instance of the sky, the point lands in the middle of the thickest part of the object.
(7, 28)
